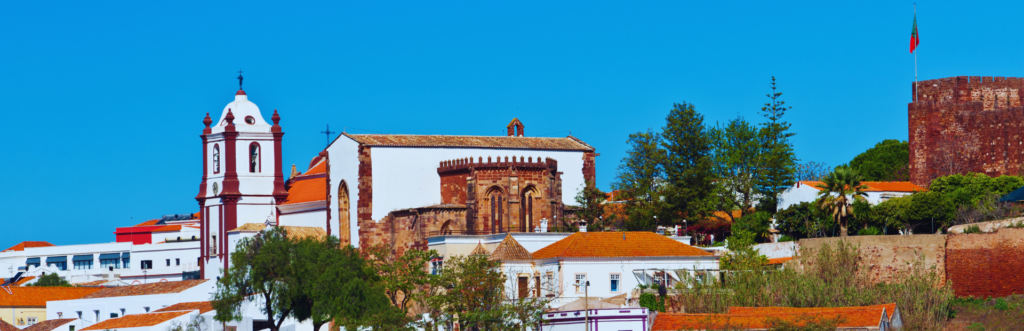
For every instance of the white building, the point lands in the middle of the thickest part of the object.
(618, 319)
(807, 191)
(96, 264)
(114, 302)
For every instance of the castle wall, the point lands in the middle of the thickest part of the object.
(408, 229)
(984, 110)
(986, 264)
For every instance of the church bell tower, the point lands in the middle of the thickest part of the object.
(242, 179)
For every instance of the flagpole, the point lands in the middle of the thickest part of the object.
(916, 87)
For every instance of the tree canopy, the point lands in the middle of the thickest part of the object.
(886, 161)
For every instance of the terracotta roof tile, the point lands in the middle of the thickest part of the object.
(300, 232)
(852, 318)
(617, 244)
(31, 296)
(479, 250)
(28, 244)
(307, 190)
(569, 143)
(876, 186)
(136, 320)
(201, 306)
(4, 326)
(890, 308)
(319, 168)
(48, 325)
(146, 289)
(780, 260)
(249, 227)
(176, 227)
(148, 223)
(510, 249)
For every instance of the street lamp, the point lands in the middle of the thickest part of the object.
(586, 302)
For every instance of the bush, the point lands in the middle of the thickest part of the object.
(972, 229)
(785, 238)
(652, 302)
(51, 280)
(830, 277)
(870, 231)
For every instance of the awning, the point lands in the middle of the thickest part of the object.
(83, 258)
(1016, 195)
(32, 260)
(126, 255)
(110, 256)
(53, 259)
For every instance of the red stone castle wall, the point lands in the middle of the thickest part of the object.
(986, 264)
(982, 109)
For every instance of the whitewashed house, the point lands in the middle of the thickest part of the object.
(807, 191)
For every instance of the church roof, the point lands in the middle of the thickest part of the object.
(479, 250)
(307, 190)
(510, 249)
(569, 143)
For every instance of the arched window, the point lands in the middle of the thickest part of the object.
(216, 158)
(495, 195)
(344, 231)
(254, 157)
(526, 223)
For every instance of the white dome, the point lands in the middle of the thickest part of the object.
(247, 116)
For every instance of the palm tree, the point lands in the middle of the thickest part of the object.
(838, 189)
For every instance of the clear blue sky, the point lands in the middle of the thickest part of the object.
(103, 103)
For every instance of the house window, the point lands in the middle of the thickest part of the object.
(168, 262)
(147, 264)
(146, 308)
(216, 158)
(126, 262)
(122, 311)
(581, 281)
(31, 320)
(58, 265)
(436, 265)
(83, 265)
(536, 290)
(254, 157)
(113, 315)
(177, 261)
(615, 282)
(106, 264)
(213, 245)
(71, 328)
(97, 315)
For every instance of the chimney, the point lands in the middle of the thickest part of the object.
(583, 226)
(515, 128)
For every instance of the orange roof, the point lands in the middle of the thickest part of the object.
(32, 296)
(509, 249)
(780, 260)
(48, 325)
(249, 227)
(201, 306)
(148, 223)
(876, 186)
(136, 320)
(28, 244)
(319, 168)
(307, 190)
(146, 289)
(176, 227)
(889, 309)
(847, 318)
(569, 143)
(617, 244)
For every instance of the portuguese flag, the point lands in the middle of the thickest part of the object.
(914, 38)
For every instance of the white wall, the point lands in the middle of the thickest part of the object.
(185, 252)
(132, 304)
(344, 163)
(797, 194)
(598, 272)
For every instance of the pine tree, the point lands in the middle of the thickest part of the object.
(779, 159)
(688, 165)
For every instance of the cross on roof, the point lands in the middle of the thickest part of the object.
(328, 133)
(239, 78)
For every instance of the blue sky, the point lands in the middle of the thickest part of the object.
(103, 103)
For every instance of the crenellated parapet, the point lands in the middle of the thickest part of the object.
(516, 162)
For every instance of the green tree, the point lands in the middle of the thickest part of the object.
(893, 212)
(742, 255)
(51, 279)
(886, 161)
(640, 181)
(929, 207)
(336, 284)
(804, 220)
(779, 160)
(756, 224)
(401, 276)
(261, 271)
(837, 191)
(591, 202)
(736, 153)
(472, 288)
(687, 163)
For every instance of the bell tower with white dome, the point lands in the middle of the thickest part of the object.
(242, 177)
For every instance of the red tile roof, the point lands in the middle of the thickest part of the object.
(148, 223)
(146, 289)
(876, 186)
(24, 280)
(319, 168)
(509, 249)
(890, 308)
(176, 227)
(569, 143)
(201, 306)
(4, 326)
(307, 190)
(31, 296)
(28, 244)
(48, 325)
(764, 318)
(617, 244)
(780, 260)
(136, 320)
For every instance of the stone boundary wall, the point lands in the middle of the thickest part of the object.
(888, 257)
(986, 264)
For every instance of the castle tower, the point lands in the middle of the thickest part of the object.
(242, 177)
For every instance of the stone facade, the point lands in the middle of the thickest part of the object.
(974, 120)
(479, 196)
